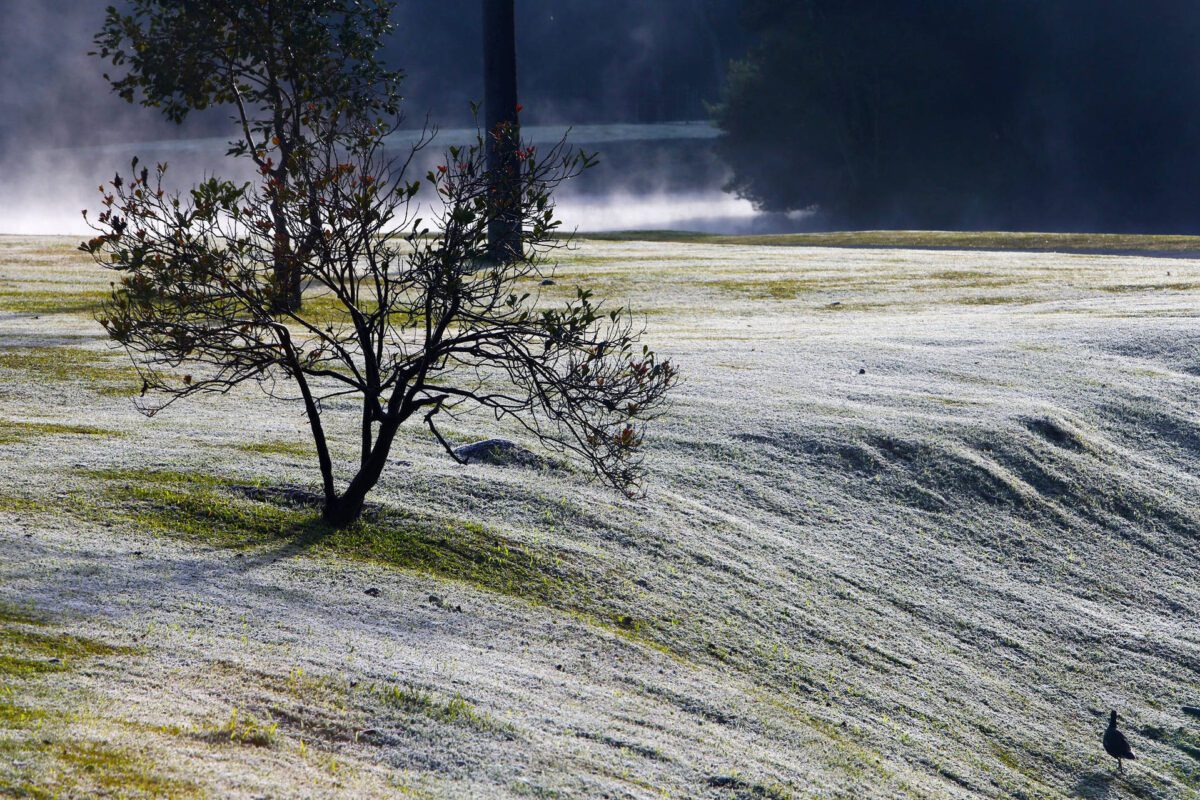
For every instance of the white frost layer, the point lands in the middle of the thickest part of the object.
(929, 579)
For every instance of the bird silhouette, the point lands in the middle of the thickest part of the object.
(1115, 743)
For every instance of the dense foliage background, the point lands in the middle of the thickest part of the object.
(1074, 114)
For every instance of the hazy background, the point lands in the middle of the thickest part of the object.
(581, 61)
(1069, 115)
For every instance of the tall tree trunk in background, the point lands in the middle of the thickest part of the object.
(502, 126)
(287, 272)
(716, 52)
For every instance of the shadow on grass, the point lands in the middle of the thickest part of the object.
(1101, 784)
(270, 523)
(28, 649)
(1095, 785)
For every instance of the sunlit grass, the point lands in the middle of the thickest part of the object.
(19, 431)
(241, 729)
(96, 370)
(51, 302)
(39, 755)
(219, 511)
(950, 240)
(279, 448)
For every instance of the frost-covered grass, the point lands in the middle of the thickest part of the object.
(1097, 243)
(915, 523)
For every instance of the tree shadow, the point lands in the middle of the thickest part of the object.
(297, 538)
(230, 532)
(293, 543)
(1095, 785)
(449, 549)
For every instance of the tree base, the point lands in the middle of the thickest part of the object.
(342, 513)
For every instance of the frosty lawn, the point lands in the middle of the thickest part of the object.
(916, 522)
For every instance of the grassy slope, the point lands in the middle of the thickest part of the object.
(930, 579)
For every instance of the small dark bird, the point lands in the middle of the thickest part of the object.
(1115, 743)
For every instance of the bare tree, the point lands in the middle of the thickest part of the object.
(425, 325)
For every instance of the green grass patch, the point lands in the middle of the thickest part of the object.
(38, 759)
(18, 431)
(17, 717)
(12, 613)
(206, 508)
(327, 692)
(91, 768)
(92, 368)
(1094, 243)
(782, 289)
(241, 729)
(409, 699)
(25, 652)
(747, 790)
(957, 276)
(324, 308)
(1135, 288)
(208, 515)
(214, 510)
(992, 300)
(28, 648)
(279, 448)
(51, 302)
(163, 477)
(842, 307)
(1007, 758)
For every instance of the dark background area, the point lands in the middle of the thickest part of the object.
(971, 114)
(1023, 114)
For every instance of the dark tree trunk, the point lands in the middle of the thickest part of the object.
(287, 274)
(346, 509)
(287, 267)
(343, 512)
(716, 50)
(502, 126)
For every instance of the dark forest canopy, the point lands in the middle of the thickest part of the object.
(580, 60)
(1076, 114)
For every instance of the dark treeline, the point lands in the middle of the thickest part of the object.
(1070, 115)
(1067, 115)
(580, 61)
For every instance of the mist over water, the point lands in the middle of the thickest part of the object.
(1067, 119)
(710, 212)
(660, 182)
(45, 212)
(635, 65)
